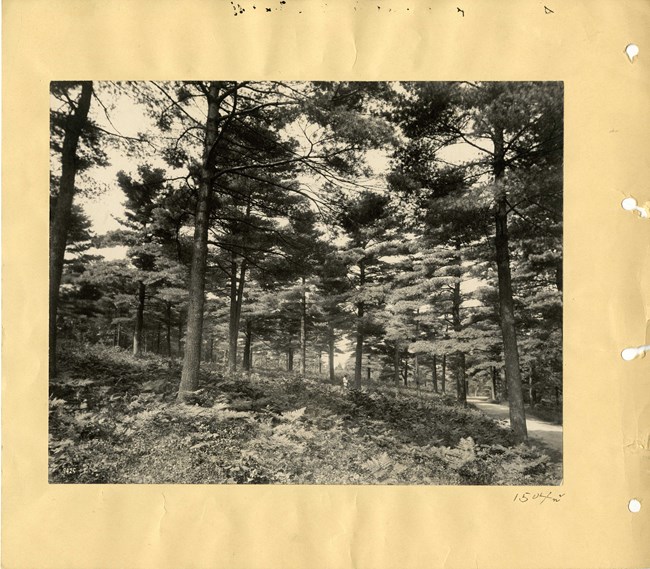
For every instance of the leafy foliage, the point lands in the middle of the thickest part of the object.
(114, 419)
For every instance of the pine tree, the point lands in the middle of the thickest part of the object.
(511, 126)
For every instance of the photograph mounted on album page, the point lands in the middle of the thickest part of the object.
(325, 284)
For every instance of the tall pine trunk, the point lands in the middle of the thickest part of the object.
(461, 385)
(196, 297)
(139, 320)
(248, 345)
(495, 391)
(396, 362)
(236, 302)
(434, 377)
(506, 304)
(416, 359)
(303, 329)
(461, 392)
(330, 348)
(358, 363)
(444, 373)
(63, 209)
(233, 331)
(531, 385)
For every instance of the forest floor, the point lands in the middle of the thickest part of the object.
(114, 419)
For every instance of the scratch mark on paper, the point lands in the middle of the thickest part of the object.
(165, 512)
(638, 444)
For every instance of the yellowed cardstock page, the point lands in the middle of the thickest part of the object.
(606, 297)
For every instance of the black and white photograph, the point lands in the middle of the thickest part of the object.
(306, 282)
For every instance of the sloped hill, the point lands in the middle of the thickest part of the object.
(114, 419)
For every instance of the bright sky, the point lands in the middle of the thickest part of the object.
(129, 120)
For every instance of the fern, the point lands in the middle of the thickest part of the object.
(378, 463)
(223, 412)
(293, 416)
(464, 453)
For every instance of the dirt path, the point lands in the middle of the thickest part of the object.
(540, 433)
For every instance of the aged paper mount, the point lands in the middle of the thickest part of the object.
(606, 295)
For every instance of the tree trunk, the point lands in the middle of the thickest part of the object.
(196, 296)
(63, 208)
(406, 370)
(232, 322)
(416, 359)
(290, 360)
(330, 348)
(504, 387)
(360, 313)
(247, 344)
(434, 377)
(506, 305)
(531, 386)
(303, 330)
(358, 363)
(320, 362)
(396, 364)
(444, 373)
(211, 348)
(461, 388)
(139, 320)
(158, 338)
(236, 301)
(495, 390)
(461, 385)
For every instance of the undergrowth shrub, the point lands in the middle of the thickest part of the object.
(114, 418)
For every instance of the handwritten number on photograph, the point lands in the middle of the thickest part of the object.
(537, 497)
